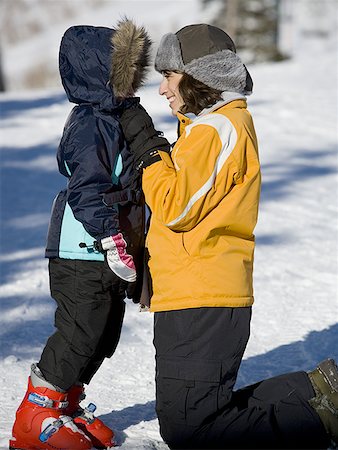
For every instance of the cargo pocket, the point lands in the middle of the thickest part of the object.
(187, 390)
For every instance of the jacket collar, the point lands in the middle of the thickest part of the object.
(227, 97)
(183, 121)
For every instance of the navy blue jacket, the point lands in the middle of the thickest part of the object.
(103, 194)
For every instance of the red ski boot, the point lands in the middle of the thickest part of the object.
(41, 423)
(100, 435)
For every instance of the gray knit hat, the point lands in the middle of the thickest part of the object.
(206, 53)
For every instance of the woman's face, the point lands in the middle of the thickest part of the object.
(169, 88)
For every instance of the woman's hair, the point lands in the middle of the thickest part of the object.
(196, 95)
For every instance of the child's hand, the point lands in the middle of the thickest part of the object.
(119, 261)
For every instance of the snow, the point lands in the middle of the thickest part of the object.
(295, 316)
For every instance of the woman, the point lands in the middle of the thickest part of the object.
(204, 195)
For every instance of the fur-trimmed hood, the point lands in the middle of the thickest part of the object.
(130, 58)
(100, 65)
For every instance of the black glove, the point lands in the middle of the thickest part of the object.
(131, 290)
(144, 141)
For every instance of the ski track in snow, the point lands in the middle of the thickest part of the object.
(295, 316)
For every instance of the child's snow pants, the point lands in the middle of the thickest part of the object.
(198, 354)
(88, 318)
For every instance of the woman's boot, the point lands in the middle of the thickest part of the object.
(324, 380)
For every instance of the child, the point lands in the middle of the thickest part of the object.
(95, 238)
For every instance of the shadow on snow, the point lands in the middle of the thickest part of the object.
(127, 417)
(28, 187)
(9, 108)
(279, 178)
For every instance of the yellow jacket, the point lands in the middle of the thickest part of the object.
(204, 201)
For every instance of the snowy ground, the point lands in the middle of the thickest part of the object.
(295, 321)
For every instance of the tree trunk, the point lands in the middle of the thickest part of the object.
(2, 78)
(232, 18)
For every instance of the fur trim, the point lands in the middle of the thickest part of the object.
(222, 70)
(130, 59)
(169, 55)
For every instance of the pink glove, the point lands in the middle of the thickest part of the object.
(118, 259)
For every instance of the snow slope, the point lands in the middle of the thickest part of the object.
(295, 319)
(35, 55)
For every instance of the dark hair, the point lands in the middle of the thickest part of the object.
(196, 95)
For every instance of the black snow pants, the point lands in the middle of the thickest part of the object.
(88, 319)
(198, 354)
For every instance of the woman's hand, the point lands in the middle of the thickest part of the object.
(139, 131)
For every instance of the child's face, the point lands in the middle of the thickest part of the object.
(169, 88)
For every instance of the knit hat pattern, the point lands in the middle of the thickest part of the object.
(215, 62)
